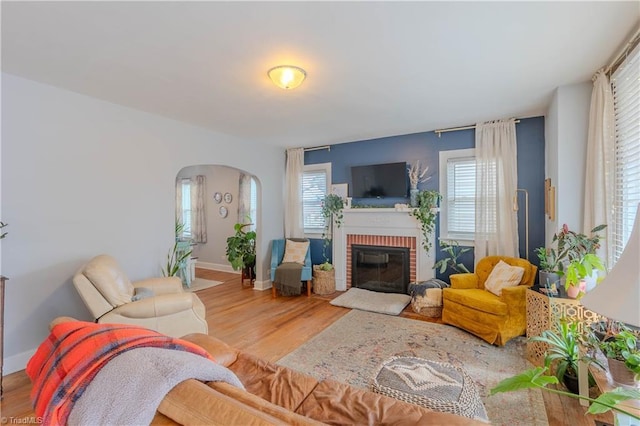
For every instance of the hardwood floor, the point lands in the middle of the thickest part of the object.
(270, 328)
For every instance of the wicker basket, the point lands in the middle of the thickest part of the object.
(324, 282)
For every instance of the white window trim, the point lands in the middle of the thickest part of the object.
(444, 157)
(313, 232)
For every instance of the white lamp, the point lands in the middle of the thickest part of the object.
(617, 297)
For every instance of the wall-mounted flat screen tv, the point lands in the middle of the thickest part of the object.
(379, 181)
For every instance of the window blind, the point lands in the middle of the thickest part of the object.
(461, 197)
(625, 82)
(314, 189)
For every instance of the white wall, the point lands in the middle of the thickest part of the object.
(82, 177)
(566, 152)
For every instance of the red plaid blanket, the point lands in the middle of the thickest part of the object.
(75, 351)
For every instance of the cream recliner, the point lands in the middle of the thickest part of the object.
(164, 306)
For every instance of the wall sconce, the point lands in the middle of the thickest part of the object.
(287, 76)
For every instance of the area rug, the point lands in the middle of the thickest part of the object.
(200, 284)
(372, 301)
(352, 349)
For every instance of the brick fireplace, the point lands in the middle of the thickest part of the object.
(380, 227)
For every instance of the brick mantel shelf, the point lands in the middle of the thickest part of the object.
(385, 227)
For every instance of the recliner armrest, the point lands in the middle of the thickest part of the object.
(161, 285)
(151, 307)
(463, 281)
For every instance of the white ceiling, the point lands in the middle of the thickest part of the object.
(374, 69)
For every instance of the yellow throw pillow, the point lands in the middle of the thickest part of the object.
(295, 251)
(503, 275)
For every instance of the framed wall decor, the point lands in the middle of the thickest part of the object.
(228, 197)
(217, 197)
(223, 212)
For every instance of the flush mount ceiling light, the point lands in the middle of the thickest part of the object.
(287, 76)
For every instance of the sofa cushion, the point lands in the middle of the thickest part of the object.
(107, 277)
(223, 354)
(503, 275)
(279, 385)
(477, 299)
(295, 251)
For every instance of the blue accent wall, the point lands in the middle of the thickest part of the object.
(426, 147)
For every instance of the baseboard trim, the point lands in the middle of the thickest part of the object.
(16, 362)
(262, 285)
(216, 267)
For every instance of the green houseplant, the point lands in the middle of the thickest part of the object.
(563, 352)
(573, 257)
(241, 250)
(332, 207)
(177, 256)
(623, 356)
(426, 212)
(453, 251)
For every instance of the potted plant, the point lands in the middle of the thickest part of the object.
(332, 207)
(548, 273)
(563, 353)
(453, 251)
(573, 258)
(426, 212)
(241, 250)
(178, 255)
(623, 357)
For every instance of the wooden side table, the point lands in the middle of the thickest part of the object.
(543, 312)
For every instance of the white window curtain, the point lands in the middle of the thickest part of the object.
(600, 167)
(198, 210)
(496, 230)
(293, 196)
(244, 199)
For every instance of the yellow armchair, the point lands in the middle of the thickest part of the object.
(495, 319)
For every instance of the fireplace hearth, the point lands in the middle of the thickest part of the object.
(380, 268)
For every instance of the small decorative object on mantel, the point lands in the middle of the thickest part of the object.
(416, 175)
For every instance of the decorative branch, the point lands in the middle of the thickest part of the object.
(417, 174)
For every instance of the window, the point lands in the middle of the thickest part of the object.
(626, 93)
(186, 207)
(316, 181)
(458, 189)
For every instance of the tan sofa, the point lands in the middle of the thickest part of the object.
(167, 308)
(278, 395)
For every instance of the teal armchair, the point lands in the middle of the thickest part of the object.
(277, 254)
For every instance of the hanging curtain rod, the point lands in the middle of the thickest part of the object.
(318, 148)
(622, 55)
(439, 132)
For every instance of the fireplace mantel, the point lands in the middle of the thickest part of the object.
(382, 222)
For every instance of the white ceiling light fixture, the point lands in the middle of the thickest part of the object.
(287, 76)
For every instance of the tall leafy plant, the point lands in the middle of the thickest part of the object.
(241, 247)
(453, 251)
(426, 213)
(176, 257)
(332, 207)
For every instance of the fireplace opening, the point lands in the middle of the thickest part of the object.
(380, 268)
